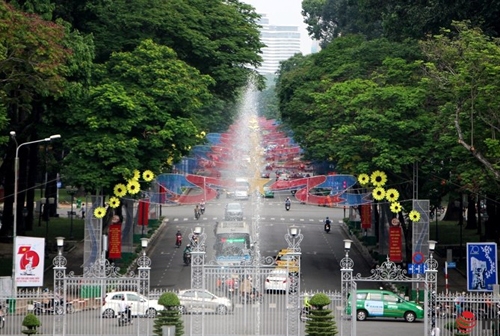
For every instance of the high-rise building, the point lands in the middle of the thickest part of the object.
(282, 42)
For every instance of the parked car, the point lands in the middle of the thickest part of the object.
(139, 305)
(278, 280)
(233, 211)
(382, 303)
(201, 300)
(265, 174)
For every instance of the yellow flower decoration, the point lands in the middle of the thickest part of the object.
(392, 195)
(363, 179)
(203, 133)
(148, 175)
(120, 190)
(378, 193)
(137, 175)
(396, 207)
(133, 187)
(378, 178)
(114, 202)
(414, 216)
(99, 212)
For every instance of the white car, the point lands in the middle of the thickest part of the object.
(201, 300)
(139, 305)
(278, 280)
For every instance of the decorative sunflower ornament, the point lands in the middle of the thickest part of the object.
(378, 178)
(133, 187)
(363, 179)
(414, 216)
(137, 175)
(392, 195)
(148, 175)
(120, 190)
(114, 202)
(99, 212)
(378, 193)
(396, 207)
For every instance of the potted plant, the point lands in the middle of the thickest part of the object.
(31, 322)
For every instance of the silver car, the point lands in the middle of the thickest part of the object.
(200, 300)
(233, 211)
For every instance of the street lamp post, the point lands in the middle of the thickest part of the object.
(16, 186)
(71, 191)
(293, 237)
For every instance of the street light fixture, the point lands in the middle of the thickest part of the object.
(16, 186)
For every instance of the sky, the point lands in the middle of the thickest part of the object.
(284, 13)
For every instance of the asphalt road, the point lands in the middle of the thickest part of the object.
(320, 269)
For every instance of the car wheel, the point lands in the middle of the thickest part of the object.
(70, 309)
(37, 311)
(410, 316)
(361, 315)
(183, 310)
(221, 310)
(151, 313)
(108, 313)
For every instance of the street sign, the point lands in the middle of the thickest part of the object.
(451, 264)
(418, 257)
(416, 268)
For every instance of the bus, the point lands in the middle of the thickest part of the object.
(233, 243)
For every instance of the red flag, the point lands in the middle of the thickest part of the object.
(143, 215)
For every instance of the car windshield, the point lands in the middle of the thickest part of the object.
(233, 206)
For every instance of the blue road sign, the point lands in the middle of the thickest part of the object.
(481, 266)
(451, 264)
(416, 268)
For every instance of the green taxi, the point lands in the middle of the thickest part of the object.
(268, 193)
(382, 303)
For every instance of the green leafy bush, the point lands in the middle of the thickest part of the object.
(31, 322)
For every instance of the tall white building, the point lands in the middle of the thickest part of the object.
(282, 42)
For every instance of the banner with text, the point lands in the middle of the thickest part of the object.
(366, 216)
(115, 241)
(30, 258)
(395, 244)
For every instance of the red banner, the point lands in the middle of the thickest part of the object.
(366, 216)
(143, 215)
(115, 241)
(395, 244)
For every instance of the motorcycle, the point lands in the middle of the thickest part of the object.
(253, 297)
(54, 307)
(202, 209)
(304, 314)
(287, 206)
(178, 241)
(124, 317)
(187, 258)
(327, 228)
(197, 214)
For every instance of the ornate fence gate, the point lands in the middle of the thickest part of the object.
(275, 313)
(387, 272)
(87, 293)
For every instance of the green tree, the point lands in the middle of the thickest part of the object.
(219, 38)
(170, 316)
(32, 67)
(321, 321)
(138, 116)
